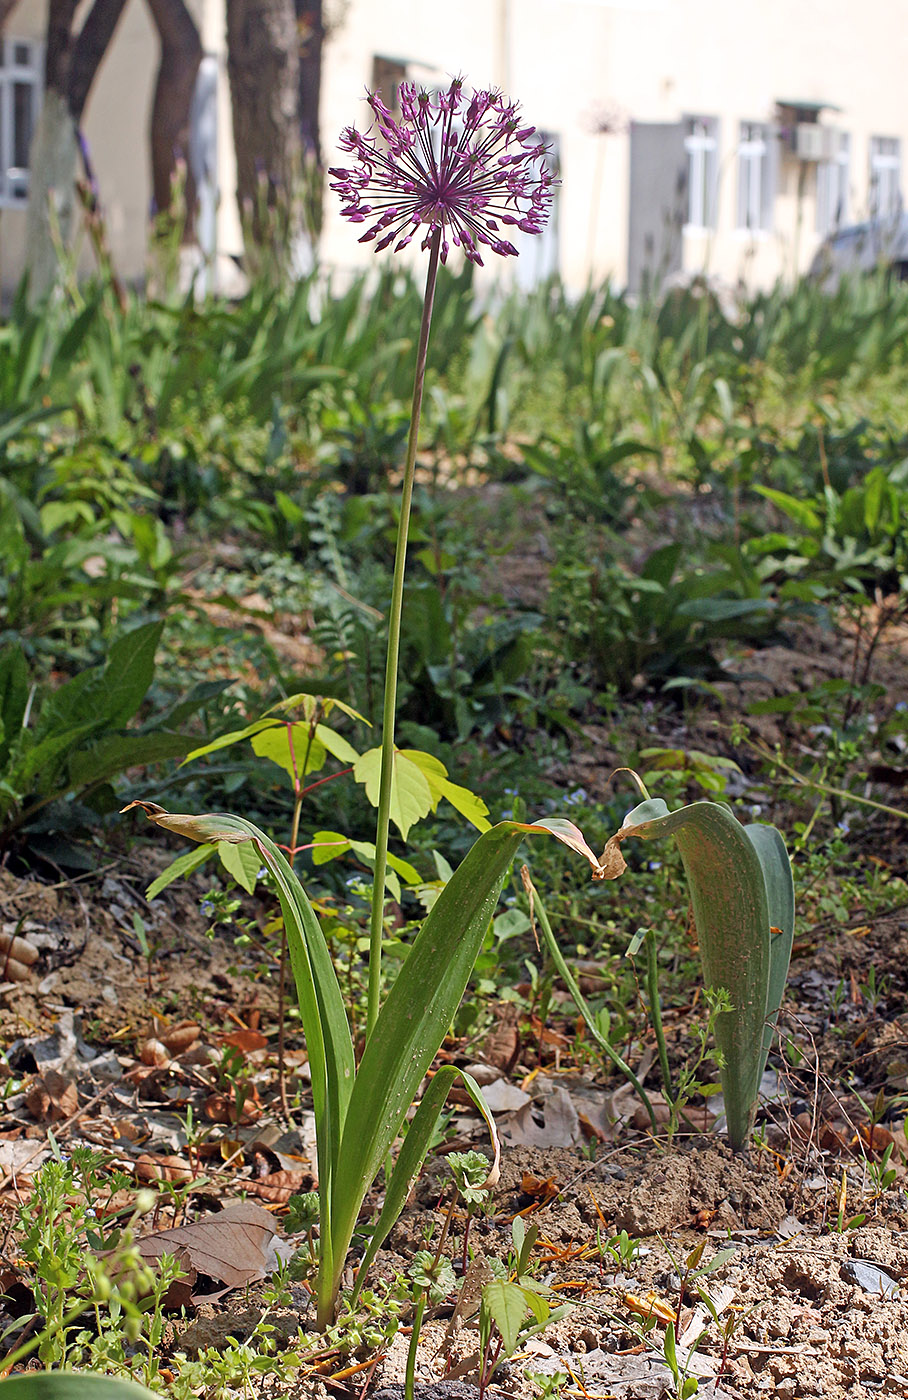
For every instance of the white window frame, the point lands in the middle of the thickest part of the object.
(702, 146)
(885, 177)
(755, 193)
(832, 186)
(14, 179)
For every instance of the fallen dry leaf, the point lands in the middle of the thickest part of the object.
(560, 1126)
(155, 1166)
(52, 1098)
(221, 1108)
(155, 1053)
(229, 1247)
(180, 1038)
(16, 957)
(244, 1040)
(278, 1187)
(542, 1189)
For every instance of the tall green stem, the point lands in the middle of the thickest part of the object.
(376, 927)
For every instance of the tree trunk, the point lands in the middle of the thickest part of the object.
(51, 194)
(263, 66)
(6, 9)
(70, 65)
(181, 55)
(311, 27)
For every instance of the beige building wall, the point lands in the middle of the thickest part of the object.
(573, 63)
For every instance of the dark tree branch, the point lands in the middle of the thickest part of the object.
(58, 52)
(6, 9)
(88, 51)
(181, 54)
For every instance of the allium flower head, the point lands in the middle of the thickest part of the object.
(464, 164)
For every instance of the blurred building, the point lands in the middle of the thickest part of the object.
(691, 135)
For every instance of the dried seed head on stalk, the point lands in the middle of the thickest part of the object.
(466, 164)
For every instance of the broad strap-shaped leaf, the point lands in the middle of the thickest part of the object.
(413, 1153)
(322, 1010)
(415, 1018)
(776, 865)
(728, 895)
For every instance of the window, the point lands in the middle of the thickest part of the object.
(702, 146)
(885, 177)
(19, 99)
(832, 185)
(755, 176)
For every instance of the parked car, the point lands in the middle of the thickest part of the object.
(875, 244)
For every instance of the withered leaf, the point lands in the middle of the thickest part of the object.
(245, 1040)
(279, 1186)
(229, 1247)
(52, 1098)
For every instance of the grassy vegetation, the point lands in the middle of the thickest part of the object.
(615, 498)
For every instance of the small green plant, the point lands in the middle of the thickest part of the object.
(622, 1247)
(73, 739)
(509, 1313)
(685, 1384)
(97, 1302)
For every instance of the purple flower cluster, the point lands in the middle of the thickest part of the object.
(464, 164)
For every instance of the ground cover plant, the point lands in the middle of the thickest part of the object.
(660, 533)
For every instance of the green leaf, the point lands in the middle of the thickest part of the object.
(234, 737)
(462, 799)
(731, 911)
(337, 745)
(13, 696)
(322, 1011)
(108, 757)
(183, 865)
(801, 512)
(124, 682)
(777, 876)
(70, 1385)
(415, 1019)
(242, 861)
(329, 845)
(413, 1153)
(411, 795)
(307, 754)
(507, 1304)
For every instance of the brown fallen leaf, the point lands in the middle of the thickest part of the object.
(155, 1166)
(180, 1038)
(221, 1108)
(52, 1098)
(244, 1040)
(155, 1053)
(16, 957)
(278, 1187)
(229, 1247)
(542, 1189)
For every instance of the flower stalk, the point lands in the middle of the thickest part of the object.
(389, 709)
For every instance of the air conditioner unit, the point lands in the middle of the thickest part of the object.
(810, 141)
